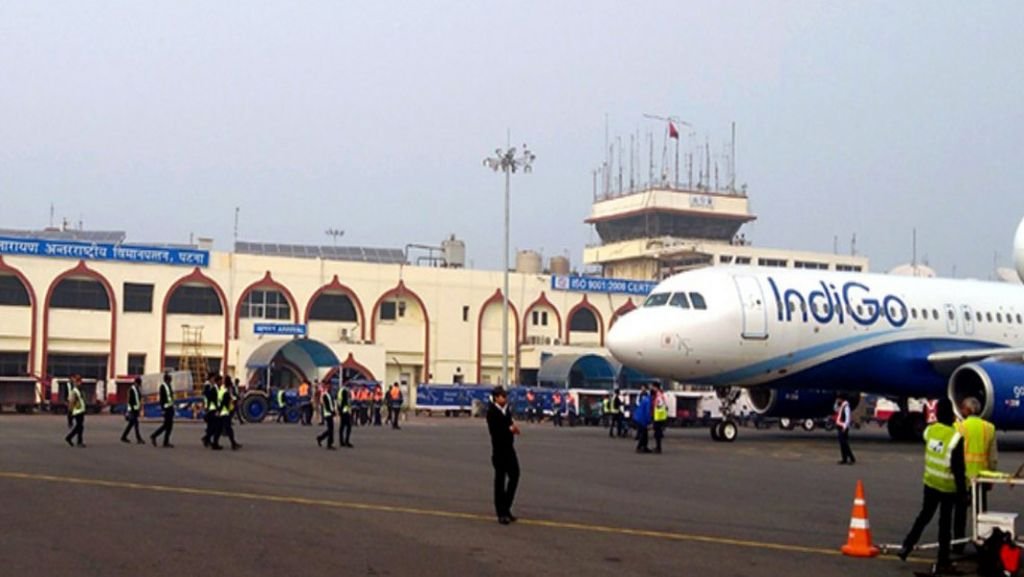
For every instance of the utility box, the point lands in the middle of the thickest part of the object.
(989, 520)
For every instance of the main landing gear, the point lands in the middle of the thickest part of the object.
(726, 430)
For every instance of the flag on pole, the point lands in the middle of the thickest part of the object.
(672, 132)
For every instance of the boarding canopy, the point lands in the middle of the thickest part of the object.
(306, 354)
(582, 371)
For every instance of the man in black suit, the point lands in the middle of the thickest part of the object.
(503, 454)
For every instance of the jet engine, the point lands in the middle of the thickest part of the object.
(794, 403)
(997, 384)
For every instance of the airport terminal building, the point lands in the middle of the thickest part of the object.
(92, 303)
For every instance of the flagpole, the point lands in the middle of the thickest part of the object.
(677, 161)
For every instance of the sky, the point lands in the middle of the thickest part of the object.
(853, 118)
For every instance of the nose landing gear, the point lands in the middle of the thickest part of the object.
(726, 430)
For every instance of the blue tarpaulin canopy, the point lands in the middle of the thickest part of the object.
(305, 353)
(586, 371)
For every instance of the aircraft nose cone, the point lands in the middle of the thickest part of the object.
(625, 338)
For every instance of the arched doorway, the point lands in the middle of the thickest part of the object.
(488, 341)
(335, 313)
(584, 325)
(542, 323)
(71, 345)
(195, 300)
(262, 301)
(400, 318)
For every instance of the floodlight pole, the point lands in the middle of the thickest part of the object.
(507, 162)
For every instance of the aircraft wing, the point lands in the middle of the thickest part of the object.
(946, 362)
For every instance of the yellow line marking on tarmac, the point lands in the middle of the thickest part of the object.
(583, 527)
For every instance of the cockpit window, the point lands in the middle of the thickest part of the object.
(680, 300)
(698, 301)
(657, 299)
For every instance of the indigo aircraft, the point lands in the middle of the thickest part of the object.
(795, 338)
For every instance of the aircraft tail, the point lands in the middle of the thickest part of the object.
(1018, 250)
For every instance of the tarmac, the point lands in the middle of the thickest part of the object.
(418, 502)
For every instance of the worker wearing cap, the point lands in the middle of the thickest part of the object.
(345, 410)
(944, 481)
(980, 454)
(76, 408)
(167, 405)
(503, 454)
(660, 416)
(131, 413)
(327, 413)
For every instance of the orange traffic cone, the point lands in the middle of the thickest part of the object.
(858, 543)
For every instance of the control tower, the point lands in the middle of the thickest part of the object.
(654, 230)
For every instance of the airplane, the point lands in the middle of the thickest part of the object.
(794, 338)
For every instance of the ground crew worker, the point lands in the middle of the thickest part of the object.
(131, 412)
(843, 422)
(642, 418)
(236, 393)
(282, 413)
(606, 412)
(167, 405)
(395, 404)
(980, 454)
(327, 411)
(503, 454)
(345, 409)
(531, 406)
(618, 425)
(76, 409)
(225, 411)
(944, 482)
(227, 402)
(556, 409)
(75, 381)
(209, 409)
(304, 404)
(378, 400)
(660, 416)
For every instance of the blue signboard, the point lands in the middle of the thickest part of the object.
(103, 251)
(280, 329)
(601, 285)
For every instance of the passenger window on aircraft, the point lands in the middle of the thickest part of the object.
(680, 300)
(1018, 319)
(860, 310)
(952, 315)
(978, 316)
(913, 313)
(657, 299)
(792, 308)
(988, 317)
(967, 316)
(698, 301)
(999, 317)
